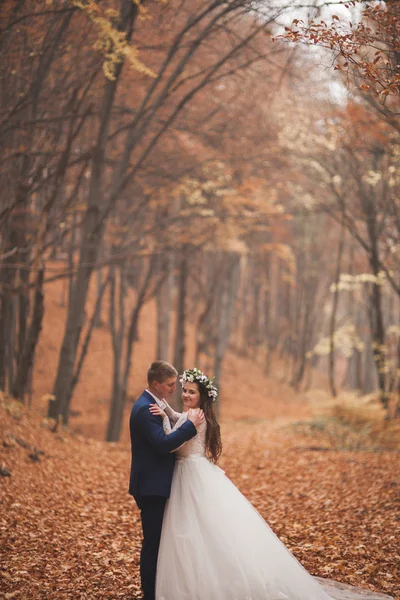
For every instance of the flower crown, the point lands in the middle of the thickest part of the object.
(196, 376)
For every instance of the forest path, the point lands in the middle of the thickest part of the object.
(70, 530)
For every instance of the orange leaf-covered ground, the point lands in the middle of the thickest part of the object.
(70, 530)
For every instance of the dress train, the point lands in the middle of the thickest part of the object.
(216, 546)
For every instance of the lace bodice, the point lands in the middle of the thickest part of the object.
(195, 446)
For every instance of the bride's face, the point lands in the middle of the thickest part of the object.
(191, 395)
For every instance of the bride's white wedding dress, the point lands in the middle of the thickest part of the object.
(216, 546)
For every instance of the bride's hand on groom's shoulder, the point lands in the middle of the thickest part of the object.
(157, 411)
(196, 415)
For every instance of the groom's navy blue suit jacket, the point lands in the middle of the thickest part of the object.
(152, 462)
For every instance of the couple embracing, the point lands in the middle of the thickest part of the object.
(202, 539)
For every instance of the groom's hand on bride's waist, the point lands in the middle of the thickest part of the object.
(196, 416)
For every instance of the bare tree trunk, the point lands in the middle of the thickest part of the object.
(180, 345)
(267, 316)
(23, 310)
(396, 413)
(164, 309)
(117, 337)
(92, 233)
(353, 375)
(18, 220)
(143, 295)
(14, 250)
(375, 299)
(369, 379)
(120, 385)
(71, 262)
(7, 278)
(353, 378)
(226, 305)
(85, 346)
(240, 313)
(99, 282)
(11, 342)
(27, 355)
(378, 333)
(332, 325)
(288, 344)
(302, 349)
(213, 274)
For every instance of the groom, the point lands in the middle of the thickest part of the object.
(153, 464)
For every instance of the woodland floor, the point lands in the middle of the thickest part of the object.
(69, 529)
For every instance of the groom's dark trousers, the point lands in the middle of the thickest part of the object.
(151, 512)
(151, 477)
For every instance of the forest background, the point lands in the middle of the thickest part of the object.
(214, 184)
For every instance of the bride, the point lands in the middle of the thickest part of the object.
(214, 544)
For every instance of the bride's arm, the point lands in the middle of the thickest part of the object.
(163, 413)
(180, 421)
(156, 410)
(167, 425)
(171, 413)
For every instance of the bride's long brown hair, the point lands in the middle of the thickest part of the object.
(213, 432)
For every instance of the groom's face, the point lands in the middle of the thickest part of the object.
(166, 388)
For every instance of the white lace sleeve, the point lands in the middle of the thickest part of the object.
(166, 425)
(168, 429)
(171, 413)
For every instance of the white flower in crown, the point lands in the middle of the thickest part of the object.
(196, 376)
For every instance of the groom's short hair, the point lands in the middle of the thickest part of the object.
(159, 371)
